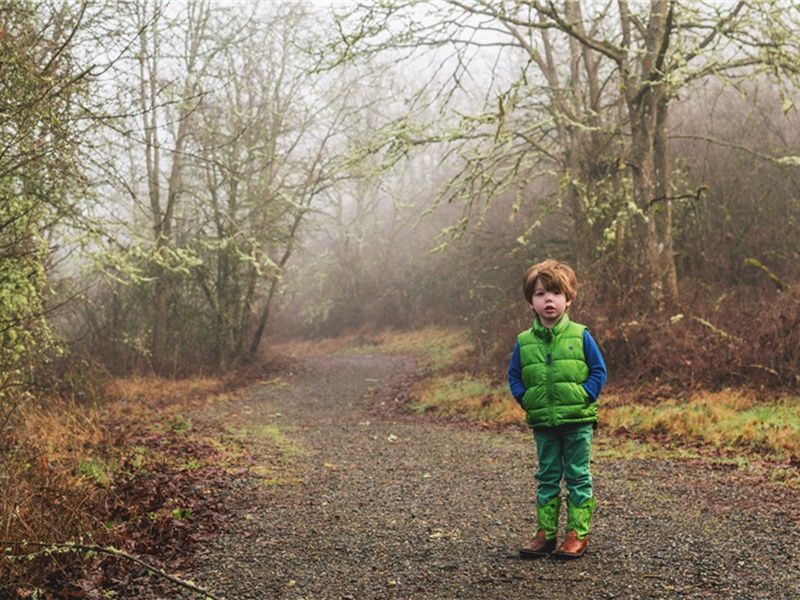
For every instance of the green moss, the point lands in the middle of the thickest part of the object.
(98, 470)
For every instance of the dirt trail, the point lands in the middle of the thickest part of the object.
(399, 507)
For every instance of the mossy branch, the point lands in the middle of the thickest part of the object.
(773, 278)
(716, 329)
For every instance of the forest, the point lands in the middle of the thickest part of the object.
(186, 184)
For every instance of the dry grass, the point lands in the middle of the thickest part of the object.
(45, 497)
(65, 436)
(60, 461)
(727, 419)
(468, 397)
(151, 392)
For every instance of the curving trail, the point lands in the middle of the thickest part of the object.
(392, 506)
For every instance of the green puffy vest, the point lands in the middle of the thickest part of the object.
(553, 371)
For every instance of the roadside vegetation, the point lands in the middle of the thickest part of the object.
(135, 468)
(747, 427)
(116, 490)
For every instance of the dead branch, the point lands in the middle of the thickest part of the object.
(114, 552)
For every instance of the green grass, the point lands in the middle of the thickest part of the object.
(607, 446)
(276, 436)
(273, 444)
(96, 469)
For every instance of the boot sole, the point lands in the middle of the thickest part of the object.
(568, 556)
(529, 554)
(532, 554)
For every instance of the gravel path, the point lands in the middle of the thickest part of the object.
(392, 506)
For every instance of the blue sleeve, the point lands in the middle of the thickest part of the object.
(597, 367)
(515, 375)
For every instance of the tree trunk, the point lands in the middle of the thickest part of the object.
(263, 319)
(663, 217)
(287, 253)
(647, 103)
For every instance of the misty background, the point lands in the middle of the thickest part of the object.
(184, 182)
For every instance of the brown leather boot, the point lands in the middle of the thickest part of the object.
(572, 547)
(539, 546)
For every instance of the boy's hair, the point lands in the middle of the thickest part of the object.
(555, 276)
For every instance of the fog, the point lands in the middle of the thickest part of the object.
(210, 176)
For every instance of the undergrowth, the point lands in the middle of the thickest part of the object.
(132, 469)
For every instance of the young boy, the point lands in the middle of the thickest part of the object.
(556, 374)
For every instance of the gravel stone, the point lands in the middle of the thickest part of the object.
(383, 504)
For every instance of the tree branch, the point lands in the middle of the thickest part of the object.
(114, 552)
(603, 47)
(695, 196)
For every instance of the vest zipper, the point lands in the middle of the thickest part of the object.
(550, 387)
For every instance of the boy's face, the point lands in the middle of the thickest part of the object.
(549, 306)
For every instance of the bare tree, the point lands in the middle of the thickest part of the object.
(156, 117)
(589, 105)
(268, 155)
(154, 92)
(237, 137)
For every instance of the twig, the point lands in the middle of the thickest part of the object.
(763, 368)
(114, 552)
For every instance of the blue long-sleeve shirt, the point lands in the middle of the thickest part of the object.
(594, 360)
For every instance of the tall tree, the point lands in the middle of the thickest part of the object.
(232, 139)
(42, 88)
(266, 150)
(154, 92)
(266, 158)
(582, 90)
(165, 177)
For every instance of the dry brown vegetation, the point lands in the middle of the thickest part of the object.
(137, 469)
(129, 474)
(752, 341)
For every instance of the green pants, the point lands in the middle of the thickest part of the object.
(564, 453)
